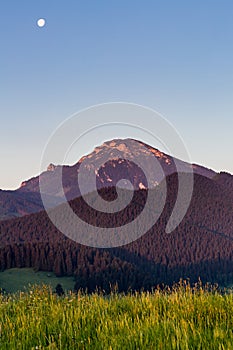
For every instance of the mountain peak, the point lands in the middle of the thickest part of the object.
(124, 149)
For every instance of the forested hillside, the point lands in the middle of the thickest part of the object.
(201, 246)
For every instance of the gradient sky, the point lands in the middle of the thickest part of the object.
(173, 56)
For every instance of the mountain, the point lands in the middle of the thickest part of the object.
(201, 246)
(123, 152)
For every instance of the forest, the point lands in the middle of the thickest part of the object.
(200, 247)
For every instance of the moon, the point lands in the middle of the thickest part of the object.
(41, 22)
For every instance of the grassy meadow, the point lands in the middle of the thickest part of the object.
(181, 318)
(13, 280)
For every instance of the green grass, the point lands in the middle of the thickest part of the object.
(182, 318)
(14, 280)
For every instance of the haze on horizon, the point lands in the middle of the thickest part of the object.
(175, 57)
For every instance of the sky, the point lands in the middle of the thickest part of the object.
(172, 56)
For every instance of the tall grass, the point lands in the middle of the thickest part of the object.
(181, 318)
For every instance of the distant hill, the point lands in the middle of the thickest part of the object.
(14, 204)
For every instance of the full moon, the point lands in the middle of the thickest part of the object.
(41, 22)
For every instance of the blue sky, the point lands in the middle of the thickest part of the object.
(173, 56)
